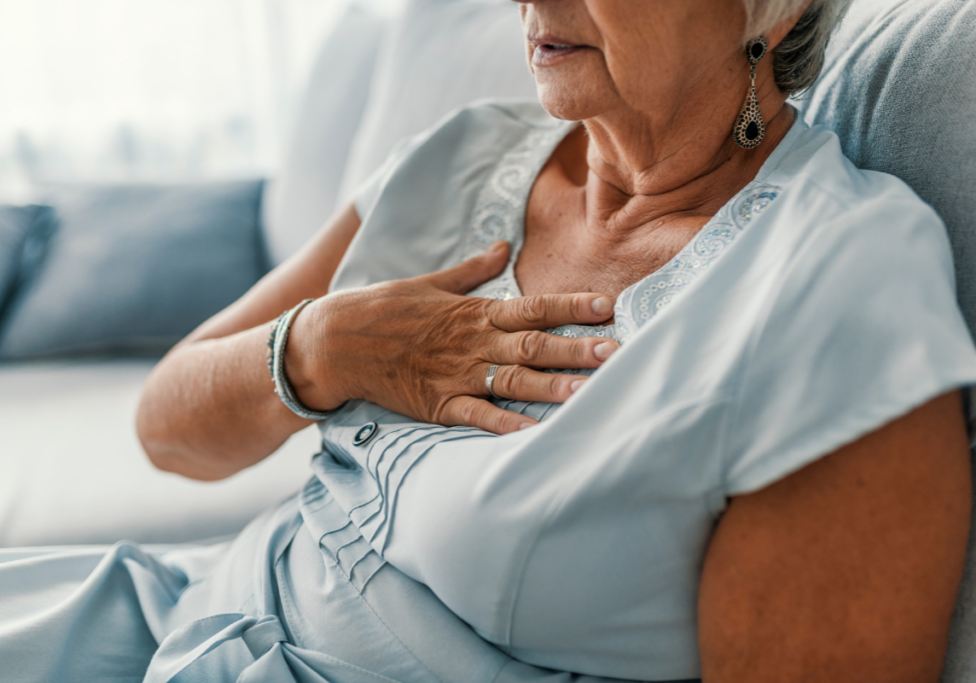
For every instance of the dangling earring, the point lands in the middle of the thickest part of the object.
(749, 127)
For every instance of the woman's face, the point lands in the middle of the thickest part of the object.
(591, 57)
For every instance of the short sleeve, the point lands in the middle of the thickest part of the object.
(864, 327)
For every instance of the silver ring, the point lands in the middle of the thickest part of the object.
(489, 378)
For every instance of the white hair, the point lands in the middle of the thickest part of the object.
(799, 58)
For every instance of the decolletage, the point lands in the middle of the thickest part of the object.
(499, 214)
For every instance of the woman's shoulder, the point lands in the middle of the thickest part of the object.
(489, 126)
(464, 143)
(858, 318)
(486, 127)
(483, 130)
(421, 210)
(478, 135)
(831, 215)
(827, 190)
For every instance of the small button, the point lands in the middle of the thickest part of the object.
(365, 433)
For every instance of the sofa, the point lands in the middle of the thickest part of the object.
(899, 88)
(109, 277)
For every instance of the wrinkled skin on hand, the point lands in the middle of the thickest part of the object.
(421, 348)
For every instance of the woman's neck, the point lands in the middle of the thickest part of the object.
(632, 181)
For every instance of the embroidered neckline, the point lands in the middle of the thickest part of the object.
(499, 214)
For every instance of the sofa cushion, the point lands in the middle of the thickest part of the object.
(900, 91)
(442, 55)
(134, 268)
(72, 469)
(304, 193)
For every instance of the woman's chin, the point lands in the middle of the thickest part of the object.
(574, 94)
(565, 105)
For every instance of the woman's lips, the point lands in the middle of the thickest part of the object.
(550, 54)
(551, 49)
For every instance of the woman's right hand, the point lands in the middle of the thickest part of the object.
(421, 348)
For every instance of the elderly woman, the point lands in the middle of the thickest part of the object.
(646, 383)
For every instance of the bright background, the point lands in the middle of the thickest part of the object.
(108, 90)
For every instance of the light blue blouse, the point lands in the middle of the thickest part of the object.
(816, 306)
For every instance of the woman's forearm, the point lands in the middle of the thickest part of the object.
(209, 409)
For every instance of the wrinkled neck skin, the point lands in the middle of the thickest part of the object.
(641, 168)
(658, 87)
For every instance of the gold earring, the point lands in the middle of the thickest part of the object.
(749, 128)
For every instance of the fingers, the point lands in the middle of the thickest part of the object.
(477, 412)
(511, 382)
(550, 310)
(464, 277)
(543, 350)
(524, 384)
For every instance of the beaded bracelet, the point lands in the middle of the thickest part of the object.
(276, 365)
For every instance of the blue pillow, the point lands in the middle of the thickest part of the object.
(131, 269)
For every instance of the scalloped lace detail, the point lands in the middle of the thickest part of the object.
(499, 214)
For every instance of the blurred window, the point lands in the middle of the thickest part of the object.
(110, 90)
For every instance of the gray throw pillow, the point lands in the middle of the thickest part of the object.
(131, 269)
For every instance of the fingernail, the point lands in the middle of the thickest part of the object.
(604, 350)
(574, 387)
(602, 306)
(526, 425)
(497, 246)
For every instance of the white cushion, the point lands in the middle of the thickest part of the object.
(303, 196)
(443, 54)
(72, 470)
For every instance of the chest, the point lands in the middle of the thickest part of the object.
(567, 249)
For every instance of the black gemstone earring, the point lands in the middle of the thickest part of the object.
(749, 127)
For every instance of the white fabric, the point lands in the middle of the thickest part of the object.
(72, 469)
(443, 54)
(816, 306)
(303, 195)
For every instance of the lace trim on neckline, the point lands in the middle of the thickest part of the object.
(499, 214)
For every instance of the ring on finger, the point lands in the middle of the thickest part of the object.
(490, 379)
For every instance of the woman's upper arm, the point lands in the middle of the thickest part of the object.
(846, 570)
(305, 275)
